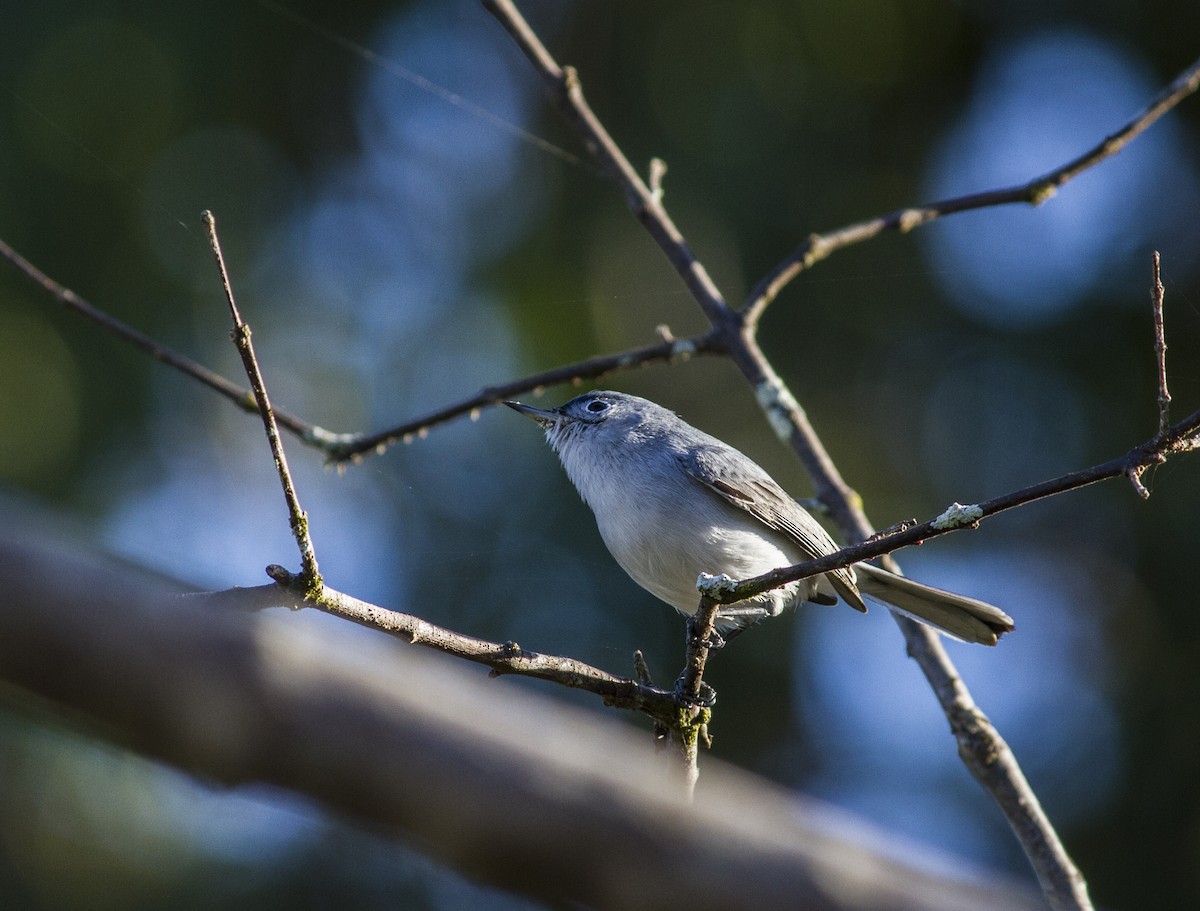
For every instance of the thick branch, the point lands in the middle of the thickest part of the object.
(1034, 192)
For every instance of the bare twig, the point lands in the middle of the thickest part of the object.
(818, 246)
(243, 398)
(669, 350)
(645, 204)
(1153, 452)
(502, 658)
(241, 339)
(1160, 349)
(353, 447)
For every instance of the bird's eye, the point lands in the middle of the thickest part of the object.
(597, 406)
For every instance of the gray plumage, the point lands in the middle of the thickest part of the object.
(672, 502)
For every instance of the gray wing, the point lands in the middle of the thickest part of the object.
(741, 483)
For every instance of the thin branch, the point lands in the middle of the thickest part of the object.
(502, 658)
(241, 339)
(1134, 474)
(565, 87)
(1153, 452)
(1034, 192)
(991, 762)
(353, 447)
(1160, 349)
(241, 397)
(668, 351)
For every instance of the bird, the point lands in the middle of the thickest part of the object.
(672, 502)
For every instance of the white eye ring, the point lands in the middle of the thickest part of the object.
(596, 406)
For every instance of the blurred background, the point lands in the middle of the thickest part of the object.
(407, 224)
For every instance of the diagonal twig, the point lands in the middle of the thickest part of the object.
(241, 339)
(1153, 452)
(354, 448)
(818, 246)
(241, 397)
(646, 203)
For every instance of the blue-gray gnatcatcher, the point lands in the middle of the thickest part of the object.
(673, 502)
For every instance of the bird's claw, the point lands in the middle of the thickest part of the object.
(705, 699)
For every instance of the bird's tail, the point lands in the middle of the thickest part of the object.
(958, 616)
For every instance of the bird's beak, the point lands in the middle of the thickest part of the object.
(545, 418)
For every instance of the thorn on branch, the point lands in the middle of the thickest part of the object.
(658, 170)
(570, 80)
(1135, 478)
(641, 669)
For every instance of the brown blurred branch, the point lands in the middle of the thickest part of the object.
(508, 788)
(1033, 192)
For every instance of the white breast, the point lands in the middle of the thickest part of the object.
(664, 547)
